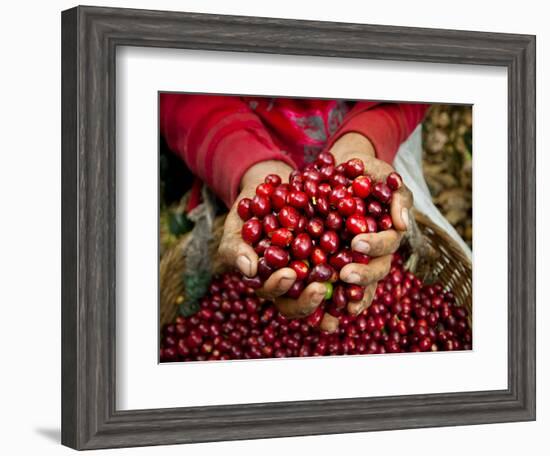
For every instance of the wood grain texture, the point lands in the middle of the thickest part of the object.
(69, 285)
(89, 39)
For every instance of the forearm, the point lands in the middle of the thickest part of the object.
(219, 138)
(386, 126)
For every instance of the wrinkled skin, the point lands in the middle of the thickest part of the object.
(379, 246)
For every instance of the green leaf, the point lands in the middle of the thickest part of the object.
(195, 286)
(188, 308)
(179, 223)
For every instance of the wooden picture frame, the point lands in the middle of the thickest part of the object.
(90, 37)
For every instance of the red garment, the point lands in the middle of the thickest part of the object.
(220, 137)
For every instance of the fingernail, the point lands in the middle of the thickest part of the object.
(317, 298)
(354, 308)
(285, 283)
(329, 323)
(362, 246)
(353, 278)
(244, 264)
(405, 216)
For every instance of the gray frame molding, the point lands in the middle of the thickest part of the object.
(90, 36)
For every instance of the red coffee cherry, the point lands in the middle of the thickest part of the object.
(354, 167)
(329, 242)
(315, 227)
(243, 209)
(279, 195)
(273, 179)
(276, 257)
(356, 224)
(301, 247)
(260, 206)
(394, 181)
(282, 237)
(265, 190)
(300, 268)
(297, 199)
(382, 192)
(289, 217)
(251, 231)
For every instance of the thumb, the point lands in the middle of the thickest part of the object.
(246, 260)
(329, 323)
(402, 201)
(235, 252)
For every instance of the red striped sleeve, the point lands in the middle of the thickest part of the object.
(386, 125)
(218, 137)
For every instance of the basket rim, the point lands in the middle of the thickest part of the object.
(423, 219)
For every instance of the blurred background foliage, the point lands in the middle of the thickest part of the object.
(447, 159)
(447, 144)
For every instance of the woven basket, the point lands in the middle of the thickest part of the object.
(172, 265)
(450, 265)
(446, 263)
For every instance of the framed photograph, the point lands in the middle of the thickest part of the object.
(280, 228)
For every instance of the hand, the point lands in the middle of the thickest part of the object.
(238, 253)
(379, 246)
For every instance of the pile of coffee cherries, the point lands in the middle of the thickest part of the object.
(233, 323)
(308, 224)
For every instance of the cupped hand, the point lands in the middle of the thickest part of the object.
(378, 246)
(234, 251)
